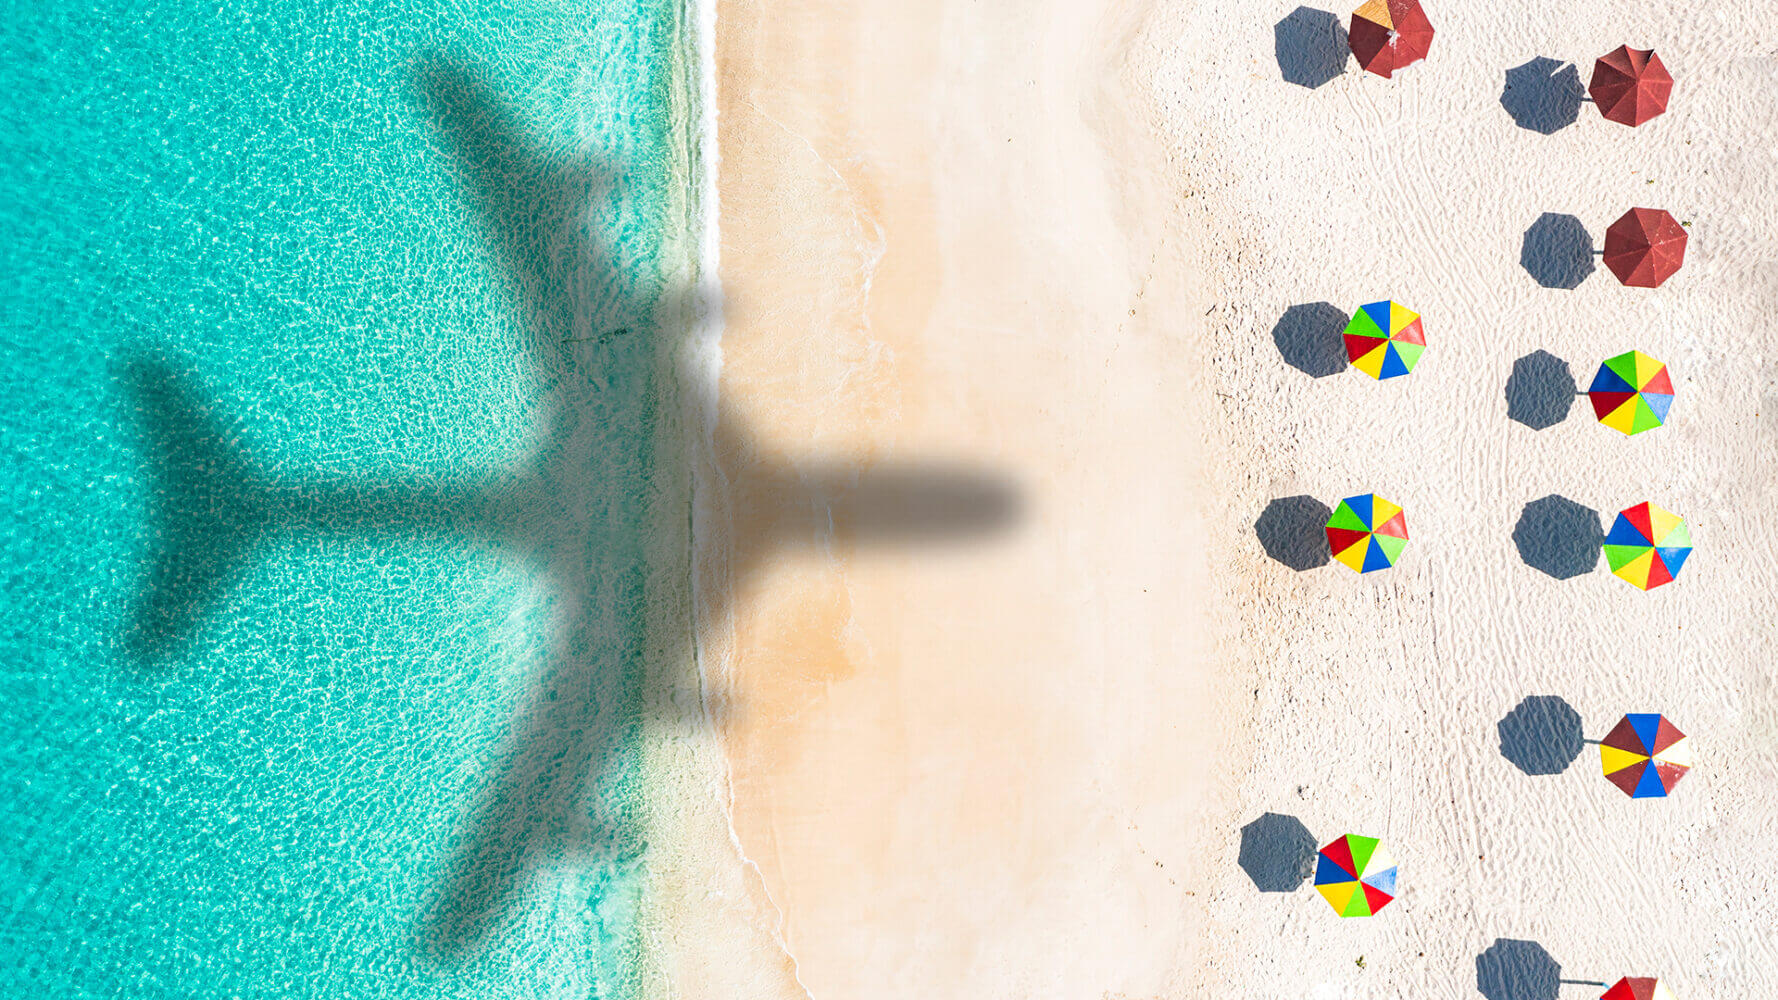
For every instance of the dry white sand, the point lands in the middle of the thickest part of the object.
(1020, 767)
(1377, 700)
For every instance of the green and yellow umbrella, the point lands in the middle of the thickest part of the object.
(1355, 875)
(1631, 393)
(1367, 532)
(1647, 545)
(1384, 339)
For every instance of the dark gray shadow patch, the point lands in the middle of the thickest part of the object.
(1540, 391)
(1311, 47)
(1558, 251)
(1559, 537)
(1293, 530)
(1543, 95)
(1542, 735)
(1308, 338)
(1277, 852)
(1517, 970)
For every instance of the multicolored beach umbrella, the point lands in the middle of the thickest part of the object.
(1367, 532)
(1384, 339)
(1647, 545)
(1388, 34)
(1638, 988)
(1631, 393)
(1355, 875)
(1645, 755)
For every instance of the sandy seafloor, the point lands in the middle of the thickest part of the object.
(1054, 243)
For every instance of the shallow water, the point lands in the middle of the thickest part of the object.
(331, 393)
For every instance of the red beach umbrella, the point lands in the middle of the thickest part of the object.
(1638, 988)
(1644, 247)
(1630, 86)
(1388, 34)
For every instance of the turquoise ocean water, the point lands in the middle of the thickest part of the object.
(332, 426)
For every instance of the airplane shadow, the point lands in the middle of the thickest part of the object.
(584, 506)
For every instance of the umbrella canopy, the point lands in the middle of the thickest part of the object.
(1388, 34)
(1644, 247)
(1384, 339)
(1355, 875)
(1647, 545)
(1645, 755)
(1367, 532)
(1631, 393)
(1630, 86)
(1638, 988)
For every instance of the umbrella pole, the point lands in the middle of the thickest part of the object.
(1581, 982)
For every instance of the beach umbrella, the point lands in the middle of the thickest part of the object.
(1355, 875)
(1367, 532)
(1630, 86)
(1388, 34)
(1647, 545)
(1644, 247)
(1631, 393)
(1638, 988)
(1645, 755)
(1384, 339)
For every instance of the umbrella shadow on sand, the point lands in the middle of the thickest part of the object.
(1540, 391)
(1293, 531)
(1558, 537)
(1517, 970)
(1557, 251)
(1543, 95)
(1512, 969)
(1277, 852)
(1310, 46)
(582, 508)
(1541, 735)
(1308, 338)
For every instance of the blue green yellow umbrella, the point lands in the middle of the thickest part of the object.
(1355, 875)
(1367, 532)
(1384, 339)
(1647, 545)
(1631, 393)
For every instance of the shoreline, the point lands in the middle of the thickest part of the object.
(840, 217)
(696, 893)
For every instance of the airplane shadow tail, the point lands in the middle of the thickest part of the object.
(207, 508)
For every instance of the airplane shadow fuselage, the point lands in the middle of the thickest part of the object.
(582, 507)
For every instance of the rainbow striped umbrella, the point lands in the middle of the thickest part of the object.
(1355, 875)
(1647, 545)
(1384, 339)
(1638, 988)
(1645, 755)
(1631, 393)
(1367, 532)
